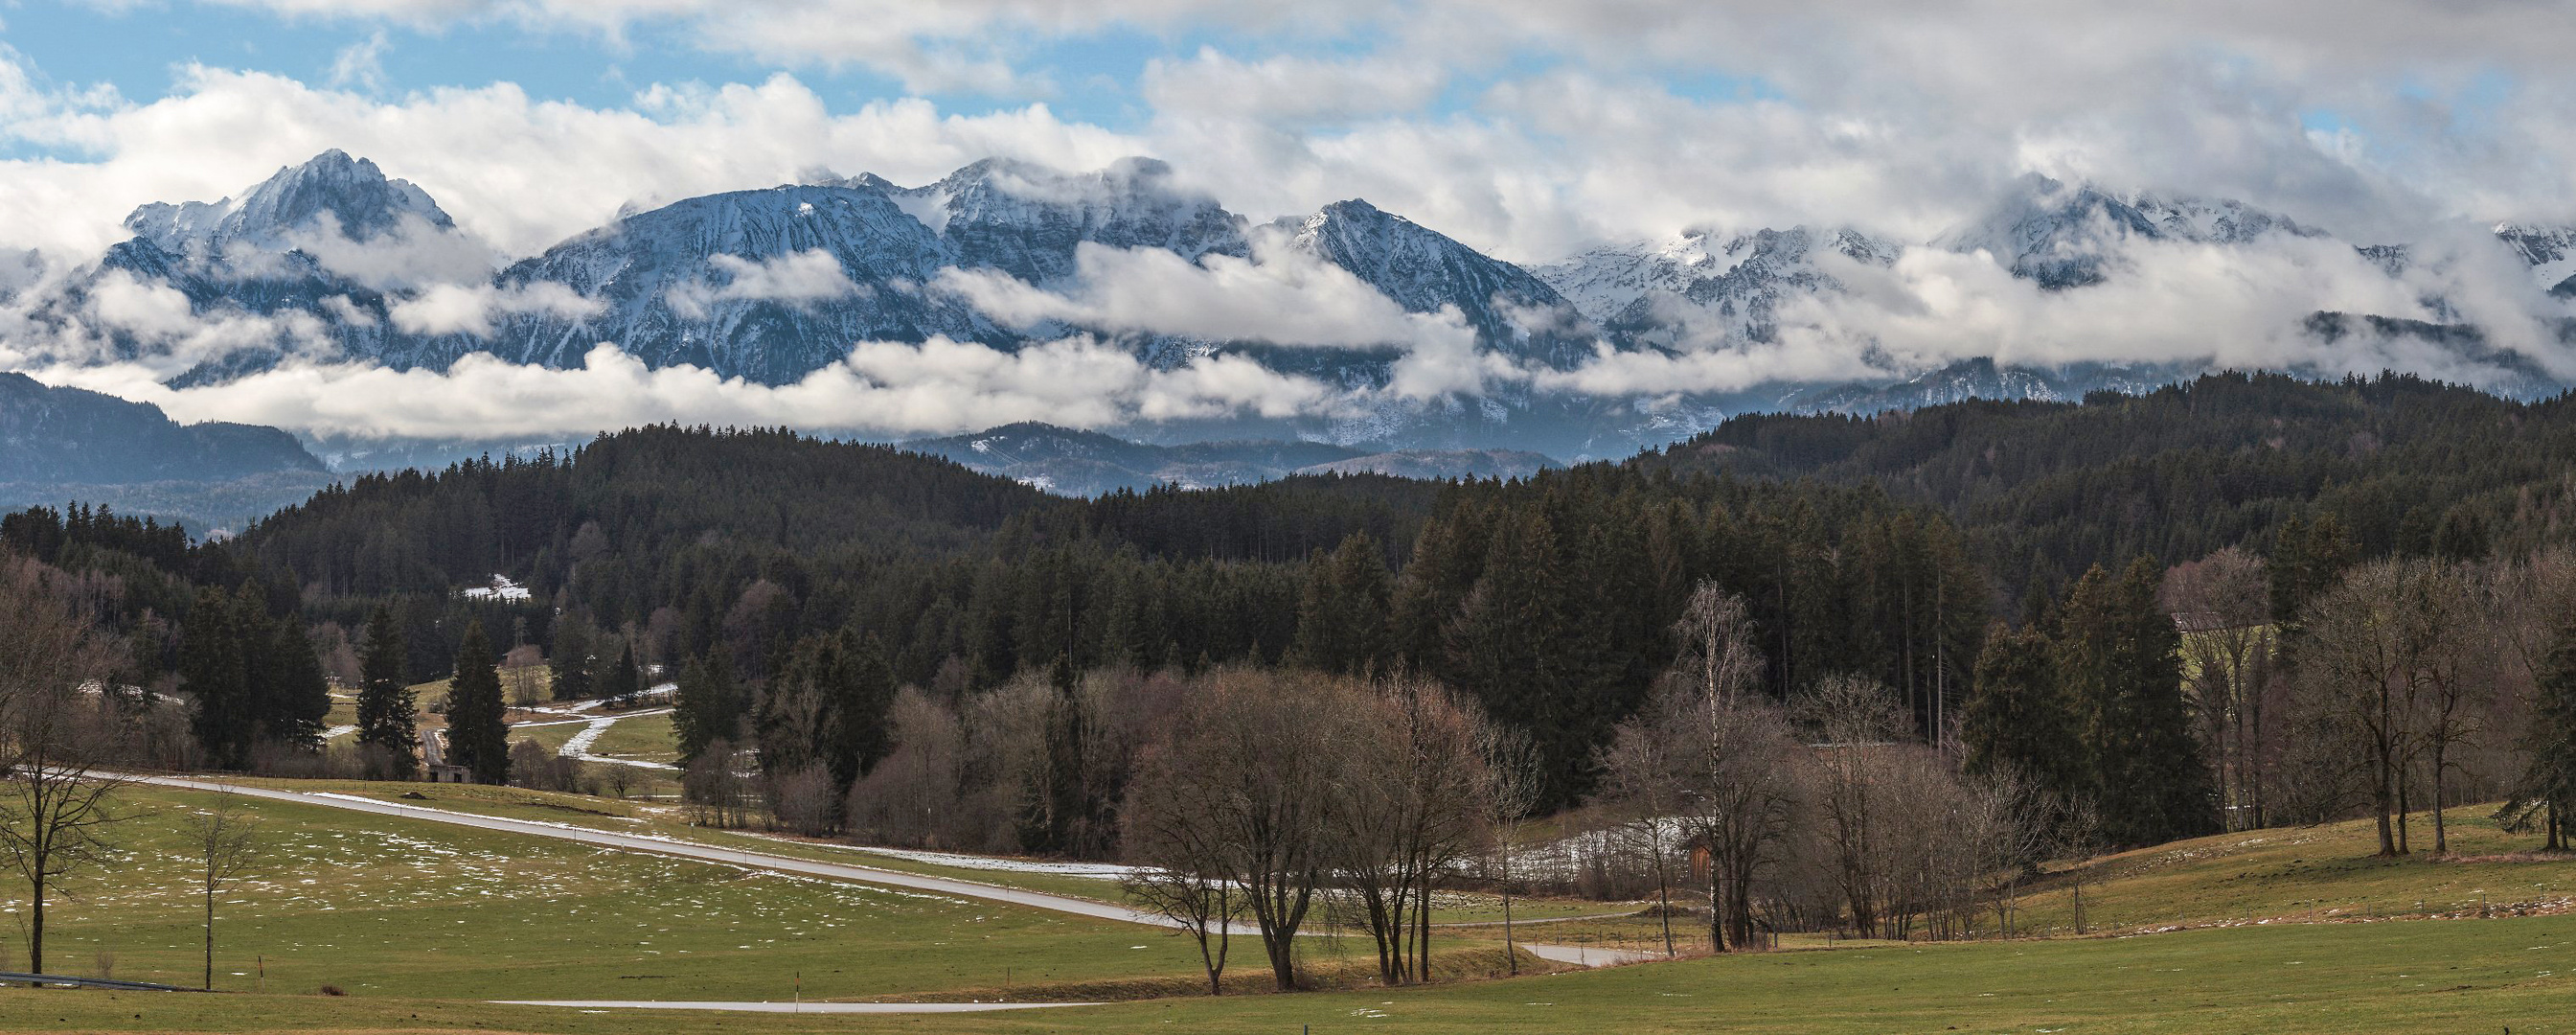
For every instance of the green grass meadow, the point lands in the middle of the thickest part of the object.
(421, 923)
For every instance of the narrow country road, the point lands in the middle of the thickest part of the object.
(1576, 954)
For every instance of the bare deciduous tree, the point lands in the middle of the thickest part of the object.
(1512, 764)
(55, 731)
(1856, 726)
(2223, 602)
(1262, 750)
(2386, 657)
(1175, 831)
(227, 838)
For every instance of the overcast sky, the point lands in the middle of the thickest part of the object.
(1527, 128)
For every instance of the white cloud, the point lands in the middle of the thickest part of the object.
(2192, 305)
(1281, 296)
(1285, 88)
(361, 64)
(411, 255)
(519, 173)
(470, 308)
(936, 387)
(800, 279)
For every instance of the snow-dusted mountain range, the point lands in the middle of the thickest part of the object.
(333, 260)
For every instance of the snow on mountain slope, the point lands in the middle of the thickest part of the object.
(331, 192)
(334, 260)
(2551, 251)
(763, 284)
(1026, 219)
(1423, 270)
(2068, 235)
(1602, 280)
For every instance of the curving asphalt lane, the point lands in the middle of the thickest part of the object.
(1580, 955)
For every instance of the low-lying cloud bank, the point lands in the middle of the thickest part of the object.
(2176, 305)
(884, 388)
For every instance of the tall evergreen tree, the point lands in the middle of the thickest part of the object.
(1342, 611)
(707, 706)
(623, 683)
(2546, 793)
(477, 738)
(2117, 651)
(1066, 825)
(2018, 718)
(1507, 645)
(387, 727)
(216, 676)
(294, 695)
(570, 664)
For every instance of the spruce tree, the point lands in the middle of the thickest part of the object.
(2018, 718)
(2117, 652)
(622, 684)
(1342, 612)
(707, 706)
(477, 738)
(216, 675)
(571, 662)
(1507, 646)
(2169, 764)
(387, 727)
(294, 695)
(2546, 794)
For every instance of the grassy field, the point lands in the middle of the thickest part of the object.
(646, 738)
(2431, 976)
(2325, 873)
(385, 906)
(420, 922)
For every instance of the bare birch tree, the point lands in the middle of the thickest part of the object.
(1512, 764)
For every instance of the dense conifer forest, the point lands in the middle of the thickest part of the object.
(749, 562)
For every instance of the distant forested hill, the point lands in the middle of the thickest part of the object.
(52, 434)
(2043, 490)
(1879, 546)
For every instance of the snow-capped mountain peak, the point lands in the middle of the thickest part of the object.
(1025, 219)
(2551, 251)
(1728, 285)
(1419, 268)
(333, 191)
(2065, 235)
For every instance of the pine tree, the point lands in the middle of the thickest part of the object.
(623, 683)
(387, 728)
(1342, 612)
(2546, 793)
(2018, 718)
(213, 671)
(295, 697)
(707, 706)
(571, 662)
(477, 738)
(2116, 650)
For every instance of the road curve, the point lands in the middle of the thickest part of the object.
(1575, 954)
